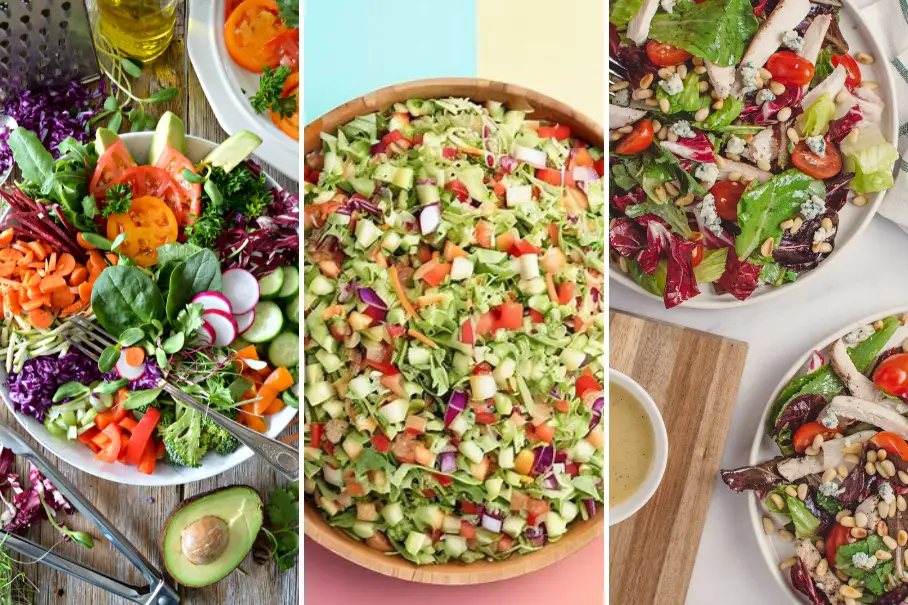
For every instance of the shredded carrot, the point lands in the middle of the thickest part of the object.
(422, 338)
(51, 283)
(472, 151)
(428, 300)
(553, 233)
(399, 290)
(550, 286)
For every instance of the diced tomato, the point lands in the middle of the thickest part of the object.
(536, 317)
(485, 418)
(315, 435)
(562, 405)
(449, 152)
(467, 529)
(466, 333)
(559, 132)
(468, 508)
(486, 324)
(521, 247)
(580, 156)
(587, 382)
(572, 469)
(484, 234)
(600, 166)
(565, 293)
(458, 189)
(554, 177)
(386, 368)
(443, 480)
(329, 448)
(437, 274)
(381, 443)
(545, 432)
(429, 493)
(510, 316)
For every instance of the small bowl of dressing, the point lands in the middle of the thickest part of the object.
(638, 447)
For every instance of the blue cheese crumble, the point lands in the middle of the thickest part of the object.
(682, 129)
(709, 215)
(862, 560)
(749, 76)
(822, 234)
(886, 493)
(791, 39)
(817, 145)
(830, 489)
(829, 419)
(859, 335)
(673, 85)
(765, 95)
(735, 145)
(708, 174)
(667, 5)
(813, 207)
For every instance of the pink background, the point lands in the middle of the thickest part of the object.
(331, 580)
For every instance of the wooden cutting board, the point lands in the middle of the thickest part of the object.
(693, 378)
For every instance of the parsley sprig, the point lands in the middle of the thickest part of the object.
(118, 200)
(271, 87)
(283, 525)
(290, 12)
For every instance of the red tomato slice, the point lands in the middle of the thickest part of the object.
(286, 45)
(804, 436)
(727, 194)
(248, 30)
(155, 182)
(892, 374)
(819, 167)
(838, 536)
(557, 131)
(290, 125)
(637, 140)
(665, 55)
(510, 316)
(174, 162)
(892, 443)
(113, 162)
(790, 69)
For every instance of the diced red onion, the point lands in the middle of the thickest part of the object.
(346, 292)
(585, 173)
(490, 160)
(545, 456)
(536, 535)
(424, 182)
(507, 164)
(597, 412)
(533, 157)
(371, 298)
(590, 506)
(447, 462)
(550, 482)
(561, 456)
(816, 361)
(594, 293)
(429, 218)
(491, 522)
(456, 404)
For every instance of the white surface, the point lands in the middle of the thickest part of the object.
(866, 279)
(852, 220)
(660, 456)
(79, 456)
(224, 81)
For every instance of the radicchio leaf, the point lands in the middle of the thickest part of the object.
(627, 237)
(621, 202)
(740, 277)
(680, 283)
(795, 250)
(658, 242)
(636, 63)
(801, 410)
(697, 148)
(765, 114)
(854, 485)
(837, 190)
(894, 597)
(813, 505)
(761, 477)
(711, 241)
(803, 583)
(840, 128)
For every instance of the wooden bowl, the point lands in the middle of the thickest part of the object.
(581, 533)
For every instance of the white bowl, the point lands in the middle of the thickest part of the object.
(660, 457)
(79, 456)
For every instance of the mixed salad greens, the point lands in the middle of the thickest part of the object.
(169, 258)
(837, 491)
(454, 321)
(737, 134)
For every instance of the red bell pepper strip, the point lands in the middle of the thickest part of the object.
(128, 424)
(111, 416)
(141, 436)
(149, 457)
(110, 450)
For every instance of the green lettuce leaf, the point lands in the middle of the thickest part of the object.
(712, 266)
(805, 522)
(688, 99)
(816, 119)
(875, 578)
(824, 65)
(871, 158)
(623, 11)
(731, 109)
(716, 30)
(762, 209)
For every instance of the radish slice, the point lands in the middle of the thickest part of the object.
(244, 321)
(224, 326)
(130, 373)
(213, 300)
(241, 289)
(206, 333)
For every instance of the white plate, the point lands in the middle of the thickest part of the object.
(224, 81)
(774, 550)
(76, 454)
(852, 220)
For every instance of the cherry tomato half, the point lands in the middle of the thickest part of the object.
(559, 132)
(727, 194)
(665, 55)
(637, 140)
(853, 80)
(697, 255)
(892, 375)
(839, 535)
(892, 443)
(804, 436)
(790, 69)
(819, 167)
(113, 162)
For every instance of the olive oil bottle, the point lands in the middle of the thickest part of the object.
(138, 28)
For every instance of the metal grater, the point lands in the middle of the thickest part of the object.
(44, 42)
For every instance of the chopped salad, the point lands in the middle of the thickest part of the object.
(454, 321)
(738, 132)
(837, 491)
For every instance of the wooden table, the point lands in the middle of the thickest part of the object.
(140, 512)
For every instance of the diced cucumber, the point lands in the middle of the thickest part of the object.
(52, 427)
(393, 513)
(284, 350)
(363, 529)
(330, 362)
(291, 282)
(292, 310)
(320, 285)
(455, 545)
(513, 526)
(415, 541)
(268, 322)
(319, 392)
(471, 451)
(568, 510)
(270, 285)
(555, 525)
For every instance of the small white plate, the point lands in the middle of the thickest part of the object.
(78, 455)
(224, 81)
(774, 550)
(852, 220)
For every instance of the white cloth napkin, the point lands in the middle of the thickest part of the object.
(888, 20)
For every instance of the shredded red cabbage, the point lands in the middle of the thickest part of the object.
(32, 389)
(23, 508)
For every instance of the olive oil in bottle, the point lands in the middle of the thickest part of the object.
(138, 28)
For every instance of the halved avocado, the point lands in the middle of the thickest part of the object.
(210, 534)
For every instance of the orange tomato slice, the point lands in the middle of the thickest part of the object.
(290, 125)
(248, 30)
(149, 223)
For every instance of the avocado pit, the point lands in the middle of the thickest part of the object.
(204, 540)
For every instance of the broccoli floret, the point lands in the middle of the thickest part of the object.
(183, 439)
(168, 415)
(216, 438)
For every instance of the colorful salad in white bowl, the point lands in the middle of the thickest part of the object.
(739, 134)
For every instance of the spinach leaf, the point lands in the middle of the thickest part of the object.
(762, 209)
(125, 297)
(137, 399)
(171, 255)
(70, 389)
(716, 30)
(199, 273)
(35, 162)
(723, 117)
(109, 357)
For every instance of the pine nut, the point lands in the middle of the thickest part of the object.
(786, 225)
(900, 503)
(822, 568)
(842, 97)
(651, 102)
(701, 114)
(720, 162)
(619, 86)
(626, 129)
(890, 467)
(825, 247)
(687, 200)
(777, 89)
(889, 542)
(671, 69)
(860, 519)
(661, 193)
(811, 450)
(883, 530)
(879, 465)
(842, 471)
(815, 248)
(764, 73)
(871, 456)
(788, 563)
(829, 475)
(792, 491)
(733, 157)
(758, 82)
(882, 555)
(786, 536)
(879, 325)
(699, 69)
(641, 93)
(864, 58)
(851, 459)
(902, 537)
(785, 112)
(821, 546)
(615, 135)
(768, 527)
(859, 200)
(681, 70)
(665, 105)
(850, 592)
(798, 222)
(622, 264)
(903, 477)
(646, 81)
(793, 135)
(905, 555)
(777, 501)
(842, 514)
(882, 508)
(854, 448)
(766, 249)
(870, 468)
(802, 491)
(697, 60)
(714, 94)
(672, 136)
(826, 223)
(657, 125)
(818, 441)
(664, 73)
(734, 176)
(847, 521)
(858, 532)
(880, 454)
(672, 190)
(718, 104)
(764, 165)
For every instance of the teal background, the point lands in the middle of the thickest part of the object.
(383, 42)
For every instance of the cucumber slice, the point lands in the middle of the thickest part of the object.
(271, 284)
(291, 284)
(268, 323)
(292, 310)
(239, 343)
(284, 350)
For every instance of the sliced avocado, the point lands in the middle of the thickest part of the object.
(209, 535)
(170, 132)
(104, 138)
(234, 150)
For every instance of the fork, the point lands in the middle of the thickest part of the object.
(92, 340)
(616, 73)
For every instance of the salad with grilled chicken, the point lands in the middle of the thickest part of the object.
(454, 318)
(739, 132)
(837, 491)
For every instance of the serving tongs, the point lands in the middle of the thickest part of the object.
(92, 340)
(157, 592)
